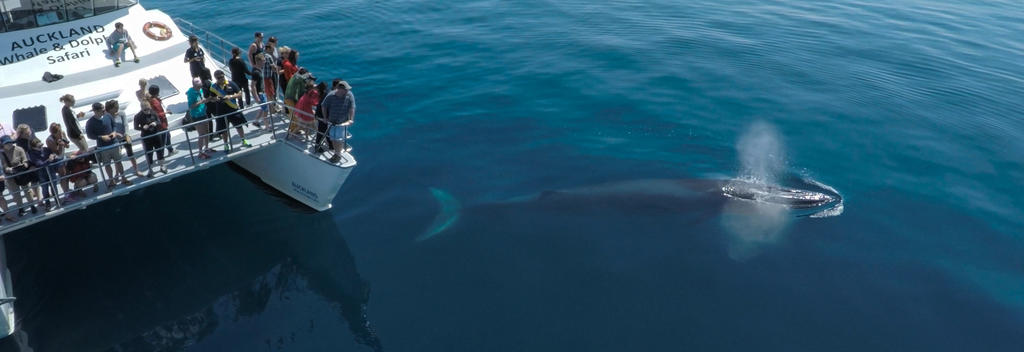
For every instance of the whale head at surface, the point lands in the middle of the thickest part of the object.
(815, 201)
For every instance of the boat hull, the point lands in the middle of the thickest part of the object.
(315, 186)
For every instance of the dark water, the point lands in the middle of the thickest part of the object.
(910, 109)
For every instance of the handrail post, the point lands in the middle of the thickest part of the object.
(53, 185)
(273, 129)
(99, 166)
(188, 140)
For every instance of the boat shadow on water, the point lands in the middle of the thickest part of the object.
(156, 271)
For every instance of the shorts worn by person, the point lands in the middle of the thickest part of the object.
(197, 110)
(228, 95)
(100, 128)
(120, 39)
(16, 167)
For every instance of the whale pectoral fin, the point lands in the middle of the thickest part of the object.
(446, 217)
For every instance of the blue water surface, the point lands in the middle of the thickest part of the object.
(910, 109)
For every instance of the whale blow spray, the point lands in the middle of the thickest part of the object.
(752, 225)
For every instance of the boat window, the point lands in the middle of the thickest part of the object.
(78, 9)
(18, 14)
(34, 117)
(104, 6)
(22, 14)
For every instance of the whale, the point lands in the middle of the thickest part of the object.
(807, 198)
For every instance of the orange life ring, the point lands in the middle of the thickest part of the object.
(163, 33)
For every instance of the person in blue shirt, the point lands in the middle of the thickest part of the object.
(120, 121)
(340, 110)
(197, 112)
(100, 128)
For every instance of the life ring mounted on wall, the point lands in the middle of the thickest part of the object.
(162, 31)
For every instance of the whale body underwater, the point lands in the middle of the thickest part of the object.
(674, 196)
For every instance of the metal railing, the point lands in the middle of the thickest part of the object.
(218, 48)
(67, 188)
(303, 136)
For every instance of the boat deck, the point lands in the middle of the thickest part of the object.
(185, 161)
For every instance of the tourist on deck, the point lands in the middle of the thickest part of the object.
(143, 93)
(212, 111)
(295, 89)
(305, 115)
(321, 120)
(196, 58)
(58, 145)
(158, 107)
(240, 74)
(23, 136)
(120, 125)
(255, 48)
(270, 73)
(100, 128)
(197, 110)
(79, 175)
(340, 110)
(272, 44)
(259, 96)
(120, 39)
(39, 159)
(227, 93)
(16, 174)
(147, 122)
(254, 55)
(3, 200)
(71, 123)
(288, 66)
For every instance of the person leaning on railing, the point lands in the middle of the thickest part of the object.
(147, 122)
(39, 159)
(120, 125)
(15, 163)
(308, 100)
(58, 144)
(321, 120)
(80, 175)
(24, 138)
(294, 90)
(340, 110)
(100, 128)
(197, 112)
(227, 93)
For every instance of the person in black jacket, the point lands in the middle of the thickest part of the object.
(147, 122)
(240, 73)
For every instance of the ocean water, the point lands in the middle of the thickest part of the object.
(911, 110)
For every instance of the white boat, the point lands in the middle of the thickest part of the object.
(68, 39)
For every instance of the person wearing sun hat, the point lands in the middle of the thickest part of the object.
(340, 110)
